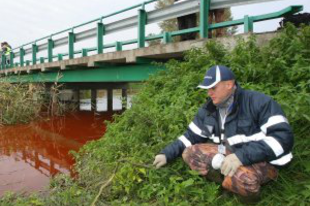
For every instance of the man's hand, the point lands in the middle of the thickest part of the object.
(160, 160)
(230, 165)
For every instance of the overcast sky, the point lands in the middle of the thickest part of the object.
(23, 21)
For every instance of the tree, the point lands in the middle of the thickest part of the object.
(172, 24)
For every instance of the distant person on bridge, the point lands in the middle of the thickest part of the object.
(6, 50)
(190, 21)
(238, 137)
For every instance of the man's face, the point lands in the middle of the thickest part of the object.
(221, 91)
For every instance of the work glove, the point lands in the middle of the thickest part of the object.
(160, 160)
(230, 165)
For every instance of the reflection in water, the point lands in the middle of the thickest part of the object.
(31, 154)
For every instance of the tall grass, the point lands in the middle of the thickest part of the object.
(20, 103)
(25, 102)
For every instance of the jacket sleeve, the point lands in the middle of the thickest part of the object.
(193, 135)
(274, 142)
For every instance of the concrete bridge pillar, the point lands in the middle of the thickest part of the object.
(124, 97)
(110, 99)
(93, 100)
(90, 96)
(76, 98)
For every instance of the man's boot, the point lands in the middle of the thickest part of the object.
(251, 199)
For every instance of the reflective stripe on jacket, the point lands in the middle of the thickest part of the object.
(8, 51)
(256, 130)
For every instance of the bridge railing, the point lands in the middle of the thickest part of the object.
(140, 21)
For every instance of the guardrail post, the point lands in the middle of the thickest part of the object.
(34, 54)
(21, 56)
(71, 39)
(84, 52)
(60, 57)
(100, 33)
(204, 18)
(118, 46)
(167, 37)
(41, 60)
(2, 61)
(27, 62)
(50, 45)
(11, 59)
(141, 27)
(248, 24)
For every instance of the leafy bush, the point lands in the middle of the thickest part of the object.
(19, 103)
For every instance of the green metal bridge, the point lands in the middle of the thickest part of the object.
(38, 60)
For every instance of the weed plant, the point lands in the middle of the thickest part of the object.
(25, 102)
(116, 170)
(19, 103)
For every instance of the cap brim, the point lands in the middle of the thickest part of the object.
(205, 87)
(210, 86)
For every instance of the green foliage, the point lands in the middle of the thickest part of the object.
(168, 102)
(172, 24)
(66, 192)
(168, 25)
(19, 103)
(11, 199)
(162, 111)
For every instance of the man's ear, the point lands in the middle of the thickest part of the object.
(230, 84)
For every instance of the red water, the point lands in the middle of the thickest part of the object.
(31, 154)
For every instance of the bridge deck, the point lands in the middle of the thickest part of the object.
(135, 56)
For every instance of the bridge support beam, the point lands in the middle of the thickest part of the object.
(122, 73)
(124, 99)
(95, 97)
(93, 100)
(110, 99)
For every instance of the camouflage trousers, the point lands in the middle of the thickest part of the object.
(246, 181)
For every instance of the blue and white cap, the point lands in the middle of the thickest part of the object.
(215, 75)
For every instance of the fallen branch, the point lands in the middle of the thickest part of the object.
(136, 164)
(107, 183)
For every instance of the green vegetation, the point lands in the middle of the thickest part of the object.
(116, 170)
(19, 103)
(24, 102)
(172, 24)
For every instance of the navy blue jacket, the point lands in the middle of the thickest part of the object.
(256, 130)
